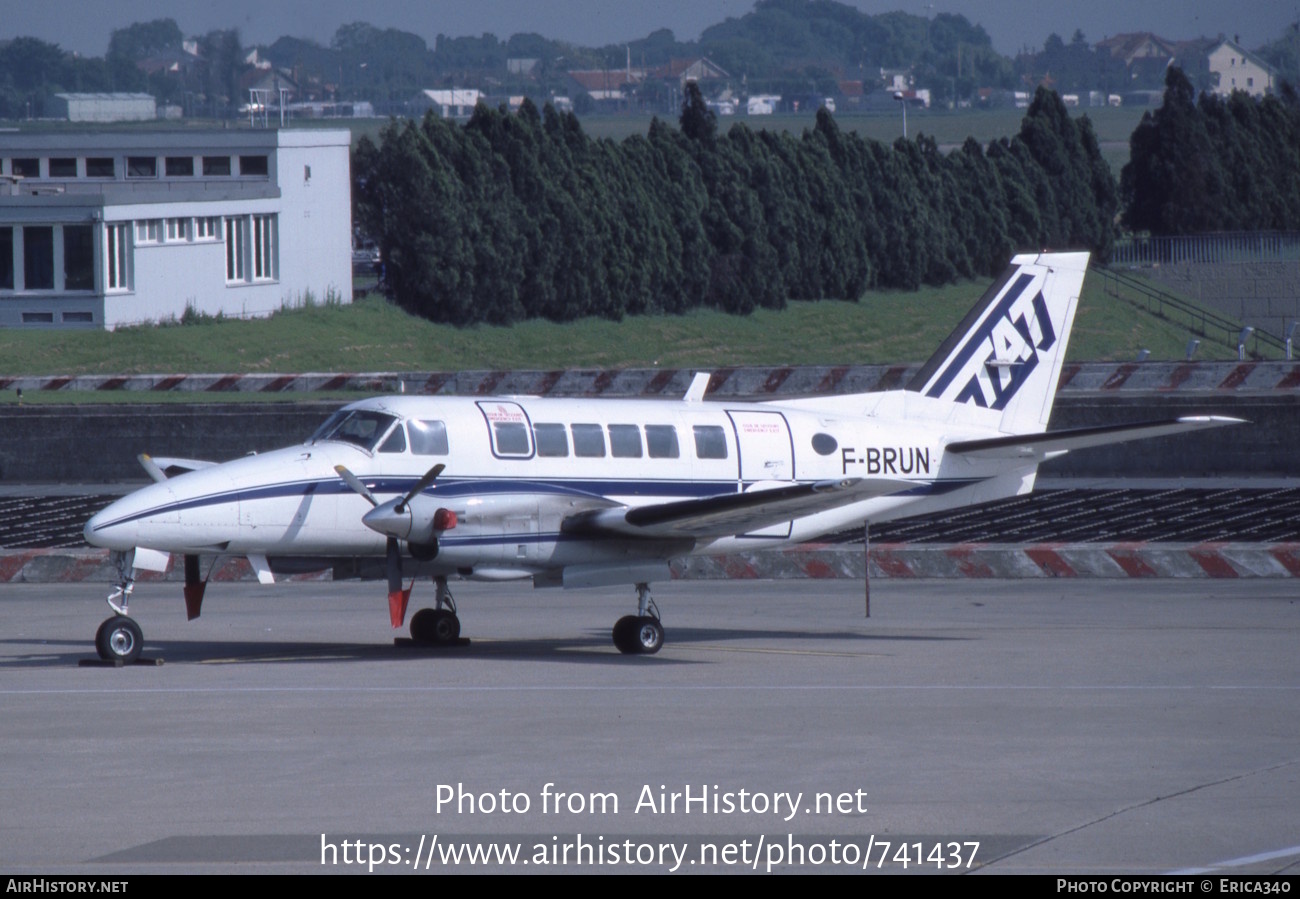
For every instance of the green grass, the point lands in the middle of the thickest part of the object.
(374, 335)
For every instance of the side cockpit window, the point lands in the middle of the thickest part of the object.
(360, 427)
(396, 441)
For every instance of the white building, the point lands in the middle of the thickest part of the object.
(104, 107)
(1234, 69)
(103, 229)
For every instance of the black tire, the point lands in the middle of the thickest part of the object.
(625, 634)
(119, 639)
(446, 627)
(649, 635)
(434, 626)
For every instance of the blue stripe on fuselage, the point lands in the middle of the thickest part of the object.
(451, 488)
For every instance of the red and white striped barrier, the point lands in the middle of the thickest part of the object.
(815, 561)
(750, 381)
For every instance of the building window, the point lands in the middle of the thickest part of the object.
(38, 318)
(142, 167)
(63, 167)
(180, 166)
(148, 231)
(6, 258)
(38, 258)
(78, 257)
(100, 167)
(178, 230)
(25, 168)
(86, 317)
(253, 165)
(216, 165)
(263, 247)
(207, 228)
(236, 237)
(115, 251)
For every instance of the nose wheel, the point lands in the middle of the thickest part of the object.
(119, 639)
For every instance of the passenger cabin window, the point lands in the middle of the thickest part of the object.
(180, 166)
(588, 441)
(710, 442)
(100, 167)
(625, 441)
(510, 437)
(661, 441)
(26, 168)
(552, 440)
(216, 165)
(63, 167)
(429, 438)
(252, 165)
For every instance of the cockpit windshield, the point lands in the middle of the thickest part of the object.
(360, 427)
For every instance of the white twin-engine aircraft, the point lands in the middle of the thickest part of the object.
(597, 492)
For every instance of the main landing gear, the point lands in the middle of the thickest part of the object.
(119, 639)
(642, 632)
(439, 626)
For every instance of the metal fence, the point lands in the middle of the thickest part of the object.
(1227, 246)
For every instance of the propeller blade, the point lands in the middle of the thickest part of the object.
(149, 465)
(429, 477)
(355, 483)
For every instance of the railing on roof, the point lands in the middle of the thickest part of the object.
(1200, 321)
(1202, 249)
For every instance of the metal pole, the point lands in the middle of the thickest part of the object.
(866, 566)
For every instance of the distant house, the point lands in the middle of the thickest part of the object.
(1138, 45)
(117, 107)
(1235, 69)
(699, 70)
(455, 103)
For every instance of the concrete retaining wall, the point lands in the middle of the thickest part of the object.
(1263, 294)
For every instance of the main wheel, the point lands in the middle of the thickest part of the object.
(119, 639)
(625, 634)
(649, 635)
(435, 626)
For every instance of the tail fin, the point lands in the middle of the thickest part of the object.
(1007, 353)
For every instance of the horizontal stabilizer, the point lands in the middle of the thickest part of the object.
(1037, 447)
(728, 514)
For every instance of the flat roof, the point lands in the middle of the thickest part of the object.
(163, 141)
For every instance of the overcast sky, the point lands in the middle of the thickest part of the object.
(84, 26)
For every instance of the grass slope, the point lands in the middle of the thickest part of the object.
(374, 335)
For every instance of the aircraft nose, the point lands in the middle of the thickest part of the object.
(123, 524)
(385, 519)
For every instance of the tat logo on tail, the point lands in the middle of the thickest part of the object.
(1001, 352)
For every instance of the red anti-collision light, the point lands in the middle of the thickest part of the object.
(444, 520)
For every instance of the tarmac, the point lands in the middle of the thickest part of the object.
(1064, 727)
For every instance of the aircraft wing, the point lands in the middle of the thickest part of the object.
(733, 513)
(1055, 443)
